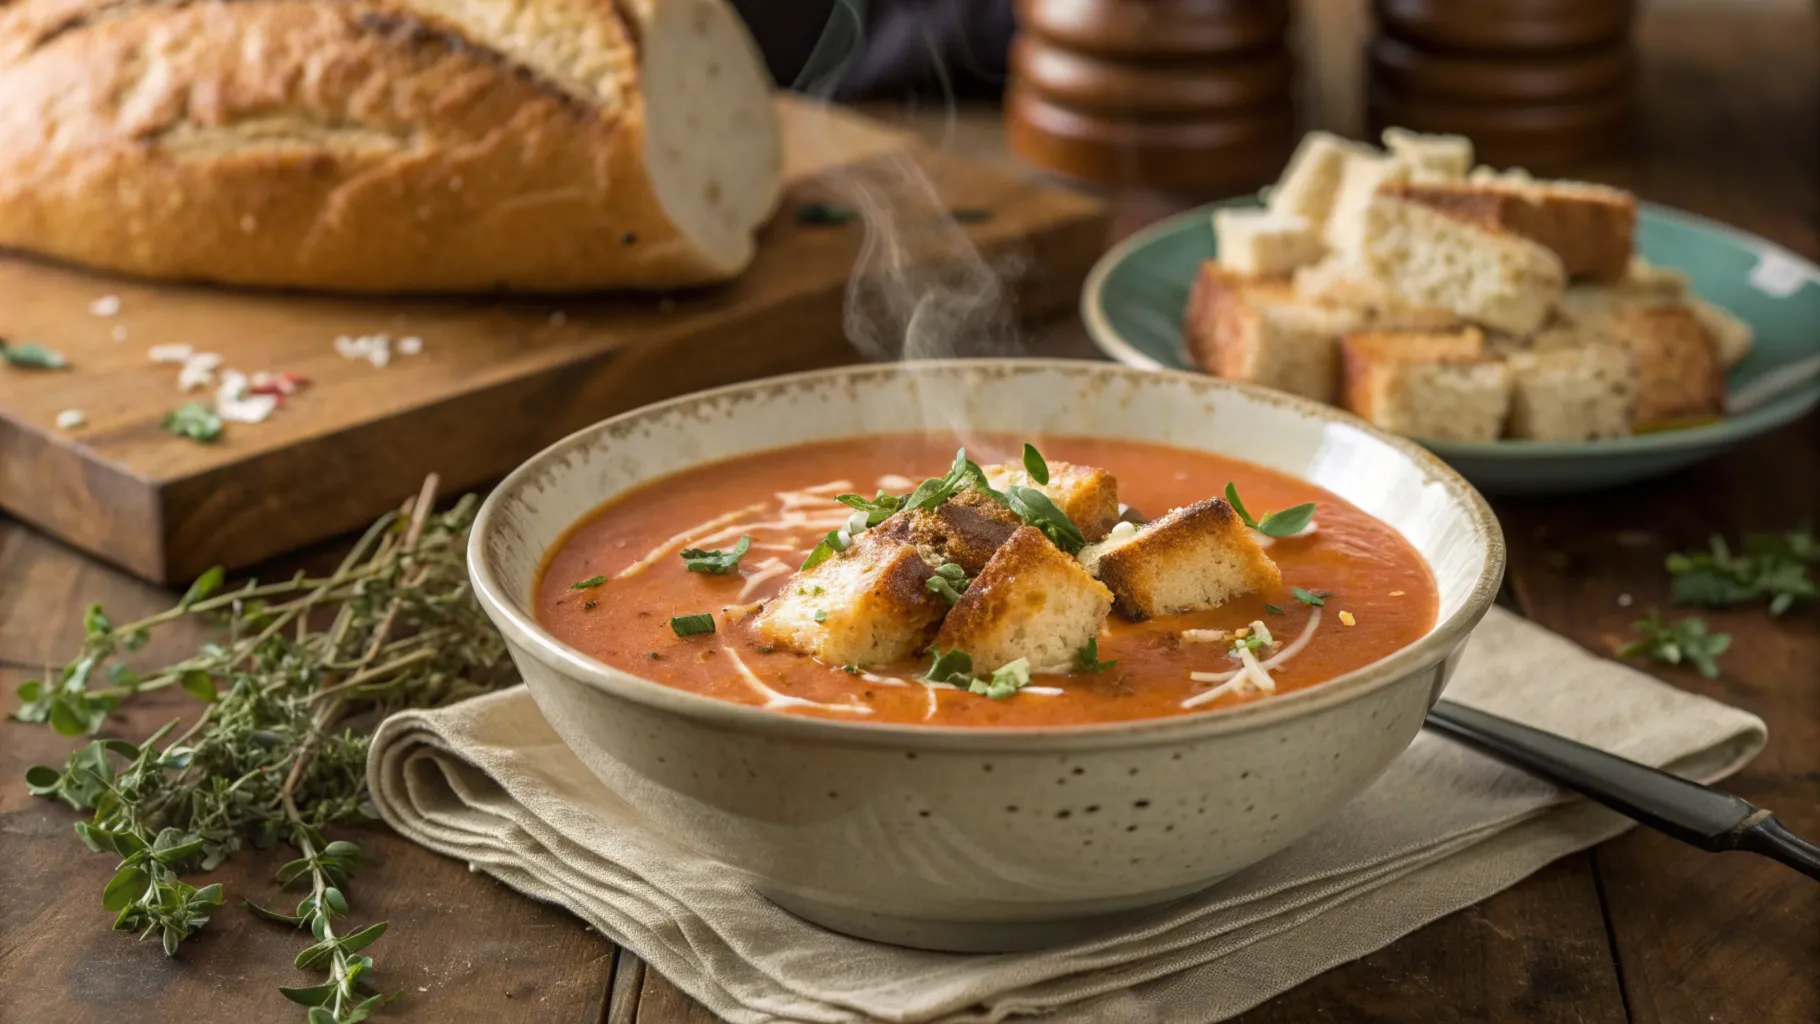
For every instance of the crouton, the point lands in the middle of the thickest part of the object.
(1264, 242)
(1030, 601)
(1432, 258)
(1361, 178)
(1733, 335)
(1644, 284)
(965, 530)
(1433, 157)
(1643, 276)
(1336, 283)
(1589, 227)
(1194, 558)
(1259, 330)
(1312, 177)
(1679, 376)
(1572, 394)
(1089, 497)
(863, 606)
(1441, 386)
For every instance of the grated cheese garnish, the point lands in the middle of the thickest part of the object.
(773, 699)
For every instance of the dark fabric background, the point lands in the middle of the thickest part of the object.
(883, 48)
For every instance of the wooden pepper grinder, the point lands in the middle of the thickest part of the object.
(1188, 96)
(1540, 84)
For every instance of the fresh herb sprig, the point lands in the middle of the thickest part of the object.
(195, 421)
(877, 509)
(1770, 566)
(954, 666)
(1683, 640)
(950, 581)
(1087, 658)
(1285, 523)
(29, 355)
(716, 562)
(1006, 680)
(267, 758)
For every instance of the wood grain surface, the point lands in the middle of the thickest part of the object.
(497, 380)
(1638, 929)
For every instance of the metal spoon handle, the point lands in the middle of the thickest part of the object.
(1701, 816)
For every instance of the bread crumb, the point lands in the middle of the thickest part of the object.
(70, 419)
(106, 305)
(170, 353)
(1347, 619)
(410, 346)
(198, 371)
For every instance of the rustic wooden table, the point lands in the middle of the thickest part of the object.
(1637, 929)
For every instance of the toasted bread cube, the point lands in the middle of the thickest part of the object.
(873, 605)
(1645, 277)
(1589, 227)
(1679, 376)
(1265, 242)
(1194, 558)
(965, 530)
(1259, 330)
(1088, 496)
(1733, 336)
(1485, 274)
(1572, 394)
(1442, 386)
(1335, 283)
(1312, 177)
(1030, 601)
(1434, 157)
(1360, 181)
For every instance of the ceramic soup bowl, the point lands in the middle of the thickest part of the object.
(968, 838)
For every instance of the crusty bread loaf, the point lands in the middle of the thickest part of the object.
(1572, 394)
(1263, 242)
(1030, 601)
(1194, 558)
(1433, 258)
(1590, 227)
(427, 145)
(1441, 386)
(1259, 330)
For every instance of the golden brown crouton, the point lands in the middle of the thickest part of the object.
(1260, 330)
(1030, 601)
(1196, 557)
(1590, 227)
(1440, 385)
(1572, 394)
(1254, 241)
(1679, 377)
(863, 606)
(1487, 274)
(1088, 496)
(965, 530)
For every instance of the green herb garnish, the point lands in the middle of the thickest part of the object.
(877, 509)
(195, 421)
(954, 666)
(1273, 609)
(935, 490)
(1034, 464)
(1035, 509)
(1313, 600)
(1087, 659)
(1286, 523)
(1006, 680)
(830, 546)
(1258, 638)
(950, 581)
(1674, 642)
(821, 615)
(824, 214)
(851, 670)
(717, 562)
(1771, 566)
(692, 625)
(588, 584)
(31, 356)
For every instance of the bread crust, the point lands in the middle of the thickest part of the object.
(320, 144)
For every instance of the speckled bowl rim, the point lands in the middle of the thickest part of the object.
(1726, 431)
(576, 666)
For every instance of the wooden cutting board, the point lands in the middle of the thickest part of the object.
(497, 378)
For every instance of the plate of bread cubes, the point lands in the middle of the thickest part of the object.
(1541, 336)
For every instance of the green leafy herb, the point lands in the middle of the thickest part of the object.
(1286, 523)
(851, 670)
(954, 666)
(1675, 642)
(877, 509)
(692, 625)
(1006, 680)
(1087, 659)
(1259, 637)
(31, 356)
(1035, 509)
(950, 581)
(1771, 566)
(1273, 609)
(1310, 598)
(820, 214)
(717, 562)
(821, 615)
(818, 554)
(935, 490)
(195, 421)
(1034, 464)
(267, 758)
(588, 584)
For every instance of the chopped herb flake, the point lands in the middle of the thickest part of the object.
(877, 509)
(1771, 566)
(821, 615)
(716, 562)
(1286, 523)
(1674, 642)
(1087, 659)
(588, 584)
(1034, 464)
(31, 356)
(950, 581)
(1006, 680)
(195, 421)
(954, 666)
(1313, 600)
(1273, 609)
(690, 625)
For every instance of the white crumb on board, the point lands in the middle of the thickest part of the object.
(70, 419)
(376, 349)
(106, 305)
(170, 353)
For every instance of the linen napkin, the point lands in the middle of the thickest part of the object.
(490, 783)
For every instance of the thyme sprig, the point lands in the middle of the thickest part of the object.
(302, 671)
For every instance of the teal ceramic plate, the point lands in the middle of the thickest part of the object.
(1133, 302)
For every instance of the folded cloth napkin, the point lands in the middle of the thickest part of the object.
(490, 783)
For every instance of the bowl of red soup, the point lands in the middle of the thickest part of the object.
(984, 655)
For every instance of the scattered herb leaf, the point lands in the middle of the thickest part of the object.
(950, 581)
(691, 625)
(1311, 598)
(1674, 642)
(1285, 523)
(821, 615)
(1273, 609)
(1259, 637)
(31, 356)
(1771, 566)
(877, 509)
(716, 562)
(1006, 680)
(1087, 659)
(195, 421)
(819, 553)
(588, 584)
(954, 666)
(1035, 509)
(1034, 464)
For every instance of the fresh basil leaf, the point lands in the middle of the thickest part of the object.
(1035, 509)
(1273, 609)
(716, 562)
(1288, 522)
(588, 584)
(954, 666)
(1312, 599)
(819, 553)
(1087, 659)
(1034, 464)
(1232, 498)
(692, 625)
(877, 509)
(1006, 680)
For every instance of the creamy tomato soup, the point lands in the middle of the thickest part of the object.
(612, 588)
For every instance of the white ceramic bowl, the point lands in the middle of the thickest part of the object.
(982, 839)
